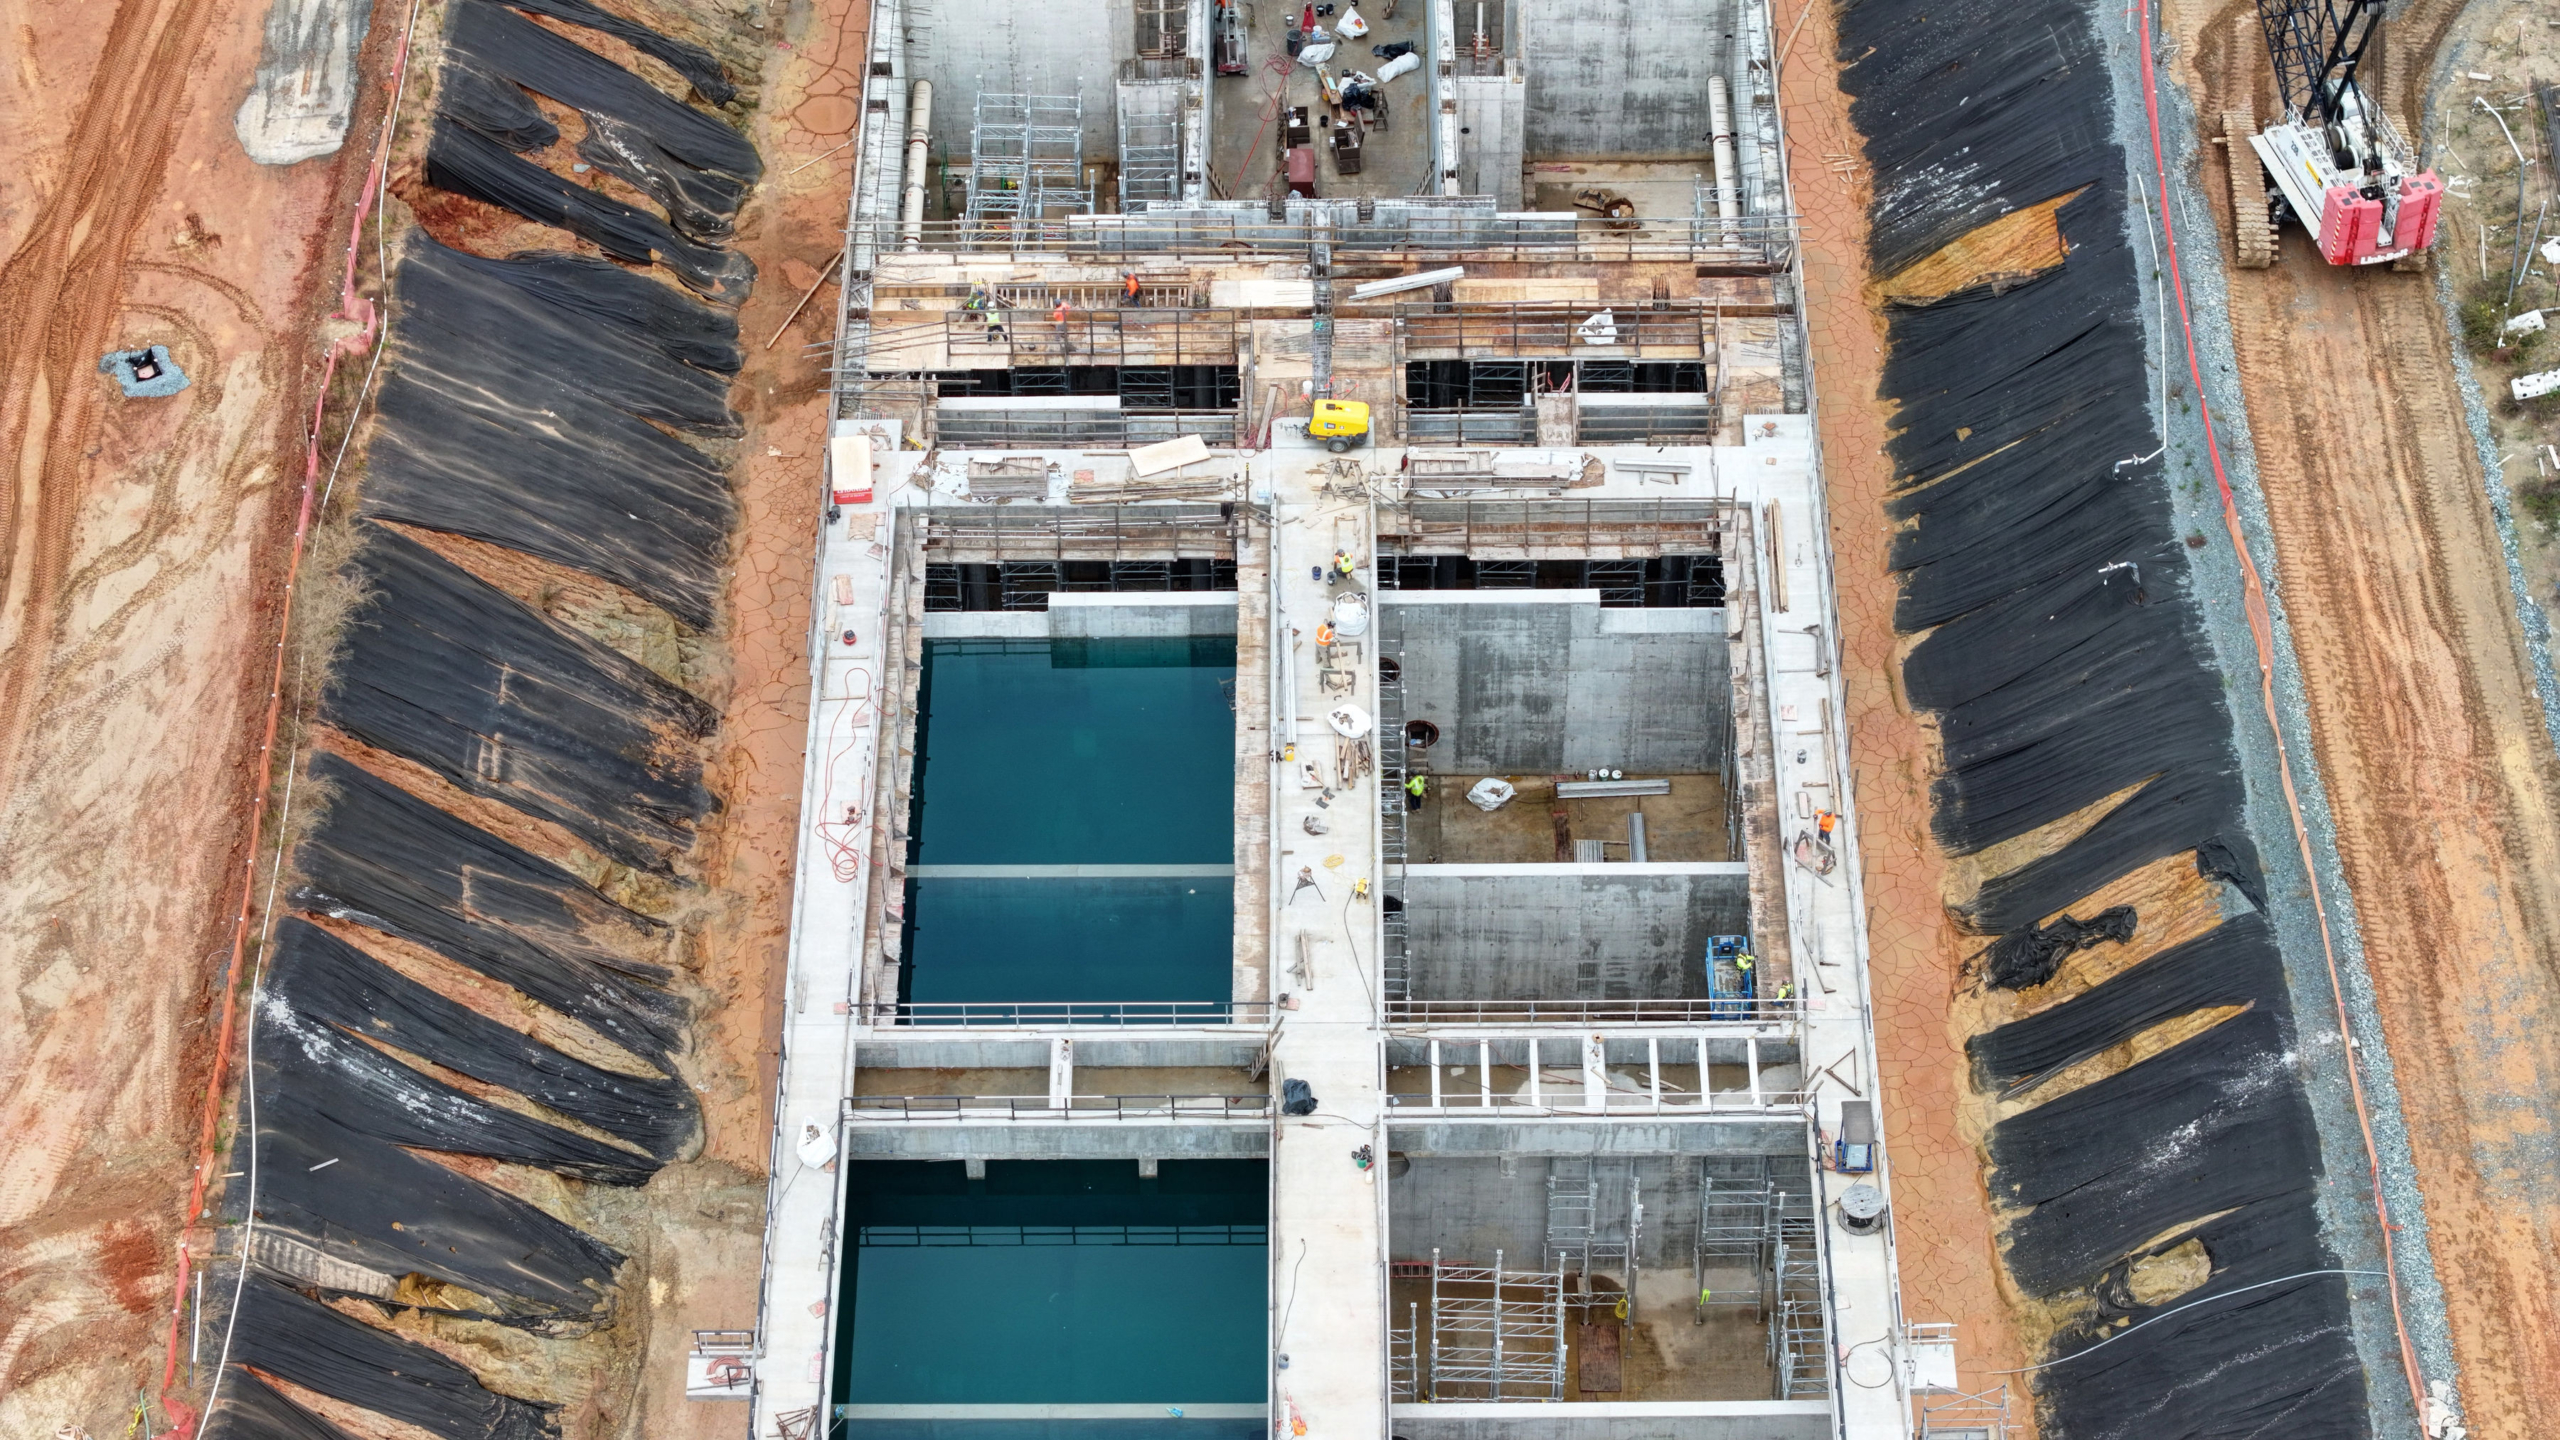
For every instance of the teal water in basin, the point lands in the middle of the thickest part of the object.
(1036, 755)
(1059, 1282)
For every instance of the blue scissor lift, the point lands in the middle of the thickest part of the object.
(1733, 981)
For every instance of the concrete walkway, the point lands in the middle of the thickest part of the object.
(1328, 1225)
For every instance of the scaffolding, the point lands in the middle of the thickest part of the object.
(1026, 161)
(1394, 757)
(1404, 1356)
(1496, 1334)
(1799, 1346)
(1150, 142)
(1735, 1229)
(1595, 1219)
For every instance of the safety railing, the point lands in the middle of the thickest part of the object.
(1750, 243)
(1689, 1014)
(1572, 1100)
(942, 1109)
(935, 1237)
(1472, 330)
(1032, 1014)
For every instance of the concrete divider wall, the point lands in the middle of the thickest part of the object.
(1555, 687)
(1571, 936)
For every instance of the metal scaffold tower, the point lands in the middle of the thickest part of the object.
(1799, 1349)
(1026, 160)
(1150, 146)
(1735, 1225)
(1396, 973)
(1496, 1334)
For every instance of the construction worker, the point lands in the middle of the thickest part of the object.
(1824, 823)
(1415, 787)
(1059, 315)
(1742, 965)
(1342, 566)
(1786, 991)
(1324, 632)
(1130, 286)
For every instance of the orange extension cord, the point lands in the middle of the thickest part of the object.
(2255, 602)
(354, 307)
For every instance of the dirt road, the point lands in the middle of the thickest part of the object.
(1942, 1223)
(2430, 740)
(138, 544)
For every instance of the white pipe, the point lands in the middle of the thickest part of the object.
(1728, 175)
(919, 137)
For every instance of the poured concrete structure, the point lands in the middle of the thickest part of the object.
(1507, 1030)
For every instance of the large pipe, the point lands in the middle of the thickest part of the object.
(1635, 839)
(1728, 176)
(919, 136)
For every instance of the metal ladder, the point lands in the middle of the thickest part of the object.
(1573, 1212)
(1733, 1229)
(1798, 1343)
(1396, 958)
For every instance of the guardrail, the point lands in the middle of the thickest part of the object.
(1690, 1013)
(1609, 1102)
(1038, 1014)
(1758, 242)
(944, 1108)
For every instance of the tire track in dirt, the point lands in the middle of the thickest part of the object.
(60, 296)
(2445, 797)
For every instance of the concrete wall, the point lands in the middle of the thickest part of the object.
(998, 1140)
(1492, 122)
(1471, 1207)
(1006, 48)
(1077, 616)
(1523, 686)
(1621, 79)
(1568, 936)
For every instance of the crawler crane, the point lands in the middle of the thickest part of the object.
(2334, 161)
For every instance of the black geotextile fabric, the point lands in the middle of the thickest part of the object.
(692, 62)
(359, 1087)
(453, 305)
(382, 857)
(466, 162)
(351, 1196)
(2065, 663)
(691, 163)
(1970, 110)
(520, 424)
(440, 667)
(250, 1409)
(2028, 957)
(2214, 1121)
(299, 1340)
(2278, 1360)
(326, 979)
(2234, 963)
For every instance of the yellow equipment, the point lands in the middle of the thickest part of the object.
(1340, 424)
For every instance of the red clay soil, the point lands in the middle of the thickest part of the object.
(1942, 1215)
(142, 556)
(143, 570)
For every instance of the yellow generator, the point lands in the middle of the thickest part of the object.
(1340, 424)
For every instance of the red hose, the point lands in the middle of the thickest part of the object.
(354, 307)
